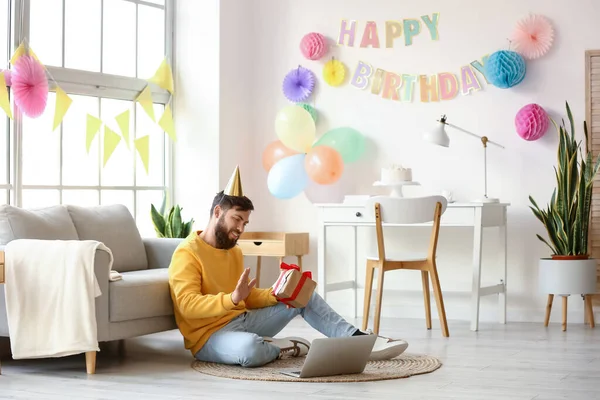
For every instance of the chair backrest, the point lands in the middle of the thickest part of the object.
(406, 210)
(403, 210)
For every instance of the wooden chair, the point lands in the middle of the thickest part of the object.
(405, 211)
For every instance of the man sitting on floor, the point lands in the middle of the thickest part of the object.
(222, 316)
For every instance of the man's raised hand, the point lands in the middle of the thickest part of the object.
(243, 288)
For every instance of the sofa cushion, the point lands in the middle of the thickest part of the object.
(140, 294)
(48, 223)
(114, 226)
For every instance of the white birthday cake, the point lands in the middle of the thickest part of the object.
(396, 173)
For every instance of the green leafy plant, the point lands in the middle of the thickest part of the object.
(567, 216)
(170, 224)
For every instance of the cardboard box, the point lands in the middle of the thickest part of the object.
(293, 287)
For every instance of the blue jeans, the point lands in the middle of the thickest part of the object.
(241, 340)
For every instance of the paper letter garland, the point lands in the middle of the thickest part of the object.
(63, 102)
(142, 145)
(93, 124)
(502, 69)
(111, 141)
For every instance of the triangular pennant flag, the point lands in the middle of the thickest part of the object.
(166, 123)
(63, 102)
(93, 125)
(143, 147)
(21, 51)
(163, 76)
(4, 100)
(111, 141)
(18, 53)
(145, 99)
(123, 122)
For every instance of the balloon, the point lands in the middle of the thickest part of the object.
(274, 152)
(295, 128)
(287, 178)
(324, 165)
(347, 141)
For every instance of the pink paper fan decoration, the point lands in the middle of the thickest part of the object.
(531, 122)
(313, 46)
(533, 36)
(30, 86)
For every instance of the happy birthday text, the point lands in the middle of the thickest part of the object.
(393, 30)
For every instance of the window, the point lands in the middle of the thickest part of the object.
(101, 53)
(5, 148)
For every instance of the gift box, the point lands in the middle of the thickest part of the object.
(293, 287)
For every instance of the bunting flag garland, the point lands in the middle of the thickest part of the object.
(93, 125)
(123, 122)
(63, 102)
(111, 141)
(145, 100)
(4, 100)
(142, 145)
(163, 77)
(166, 123)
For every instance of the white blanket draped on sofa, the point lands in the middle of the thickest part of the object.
(50, 297)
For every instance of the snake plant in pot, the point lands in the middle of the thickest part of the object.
(170, 224)
(569, 270)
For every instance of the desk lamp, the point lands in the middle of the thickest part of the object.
(437, 135)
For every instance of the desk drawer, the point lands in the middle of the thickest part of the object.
(274, 244)
(452, 216)
(346, 214)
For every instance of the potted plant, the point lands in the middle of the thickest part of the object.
(170, 224)
(569, 270)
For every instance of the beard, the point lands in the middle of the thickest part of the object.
(222, 236)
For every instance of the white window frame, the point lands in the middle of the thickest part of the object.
(80, 82)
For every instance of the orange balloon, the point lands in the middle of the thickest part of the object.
(274, 152)
(324, 165)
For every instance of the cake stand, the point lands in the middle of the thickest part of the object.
(396, 186)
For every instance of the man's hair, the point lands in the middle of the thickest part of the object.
(226, 202)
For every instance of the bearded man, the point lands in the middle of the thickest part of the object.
(222, 316)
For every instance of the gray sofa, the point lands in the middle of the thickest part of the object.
(139, 303)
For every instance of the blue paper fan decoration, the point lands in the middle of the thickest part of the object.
(505, 69)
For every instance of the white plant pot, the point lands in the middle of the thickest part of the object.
(564, 277)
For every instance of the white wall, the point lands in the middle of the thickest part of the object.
(257, 44)
(196, 106)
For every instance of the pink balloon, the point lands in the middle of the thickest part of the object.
(531, 122)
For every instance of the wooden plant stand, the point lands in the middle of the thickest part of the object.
(273, 244)
(588, 313)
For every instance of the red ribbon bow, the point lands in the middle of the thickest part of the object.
(305, 275)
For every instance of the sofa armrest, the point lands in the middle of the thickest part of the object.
(159, 251)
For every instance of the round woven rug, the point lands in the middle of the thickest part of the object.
(400, 367)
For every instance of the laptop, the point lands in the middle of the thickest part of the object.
(335, 356)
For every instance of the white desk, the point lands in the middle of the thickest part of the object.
(473, 215)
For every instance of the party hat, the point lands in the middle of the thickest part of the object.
(234, 186)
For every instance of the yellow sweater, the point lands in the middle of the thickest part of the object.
(201, 280)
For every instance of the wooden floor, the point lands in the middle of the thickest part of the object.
(514, 361)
